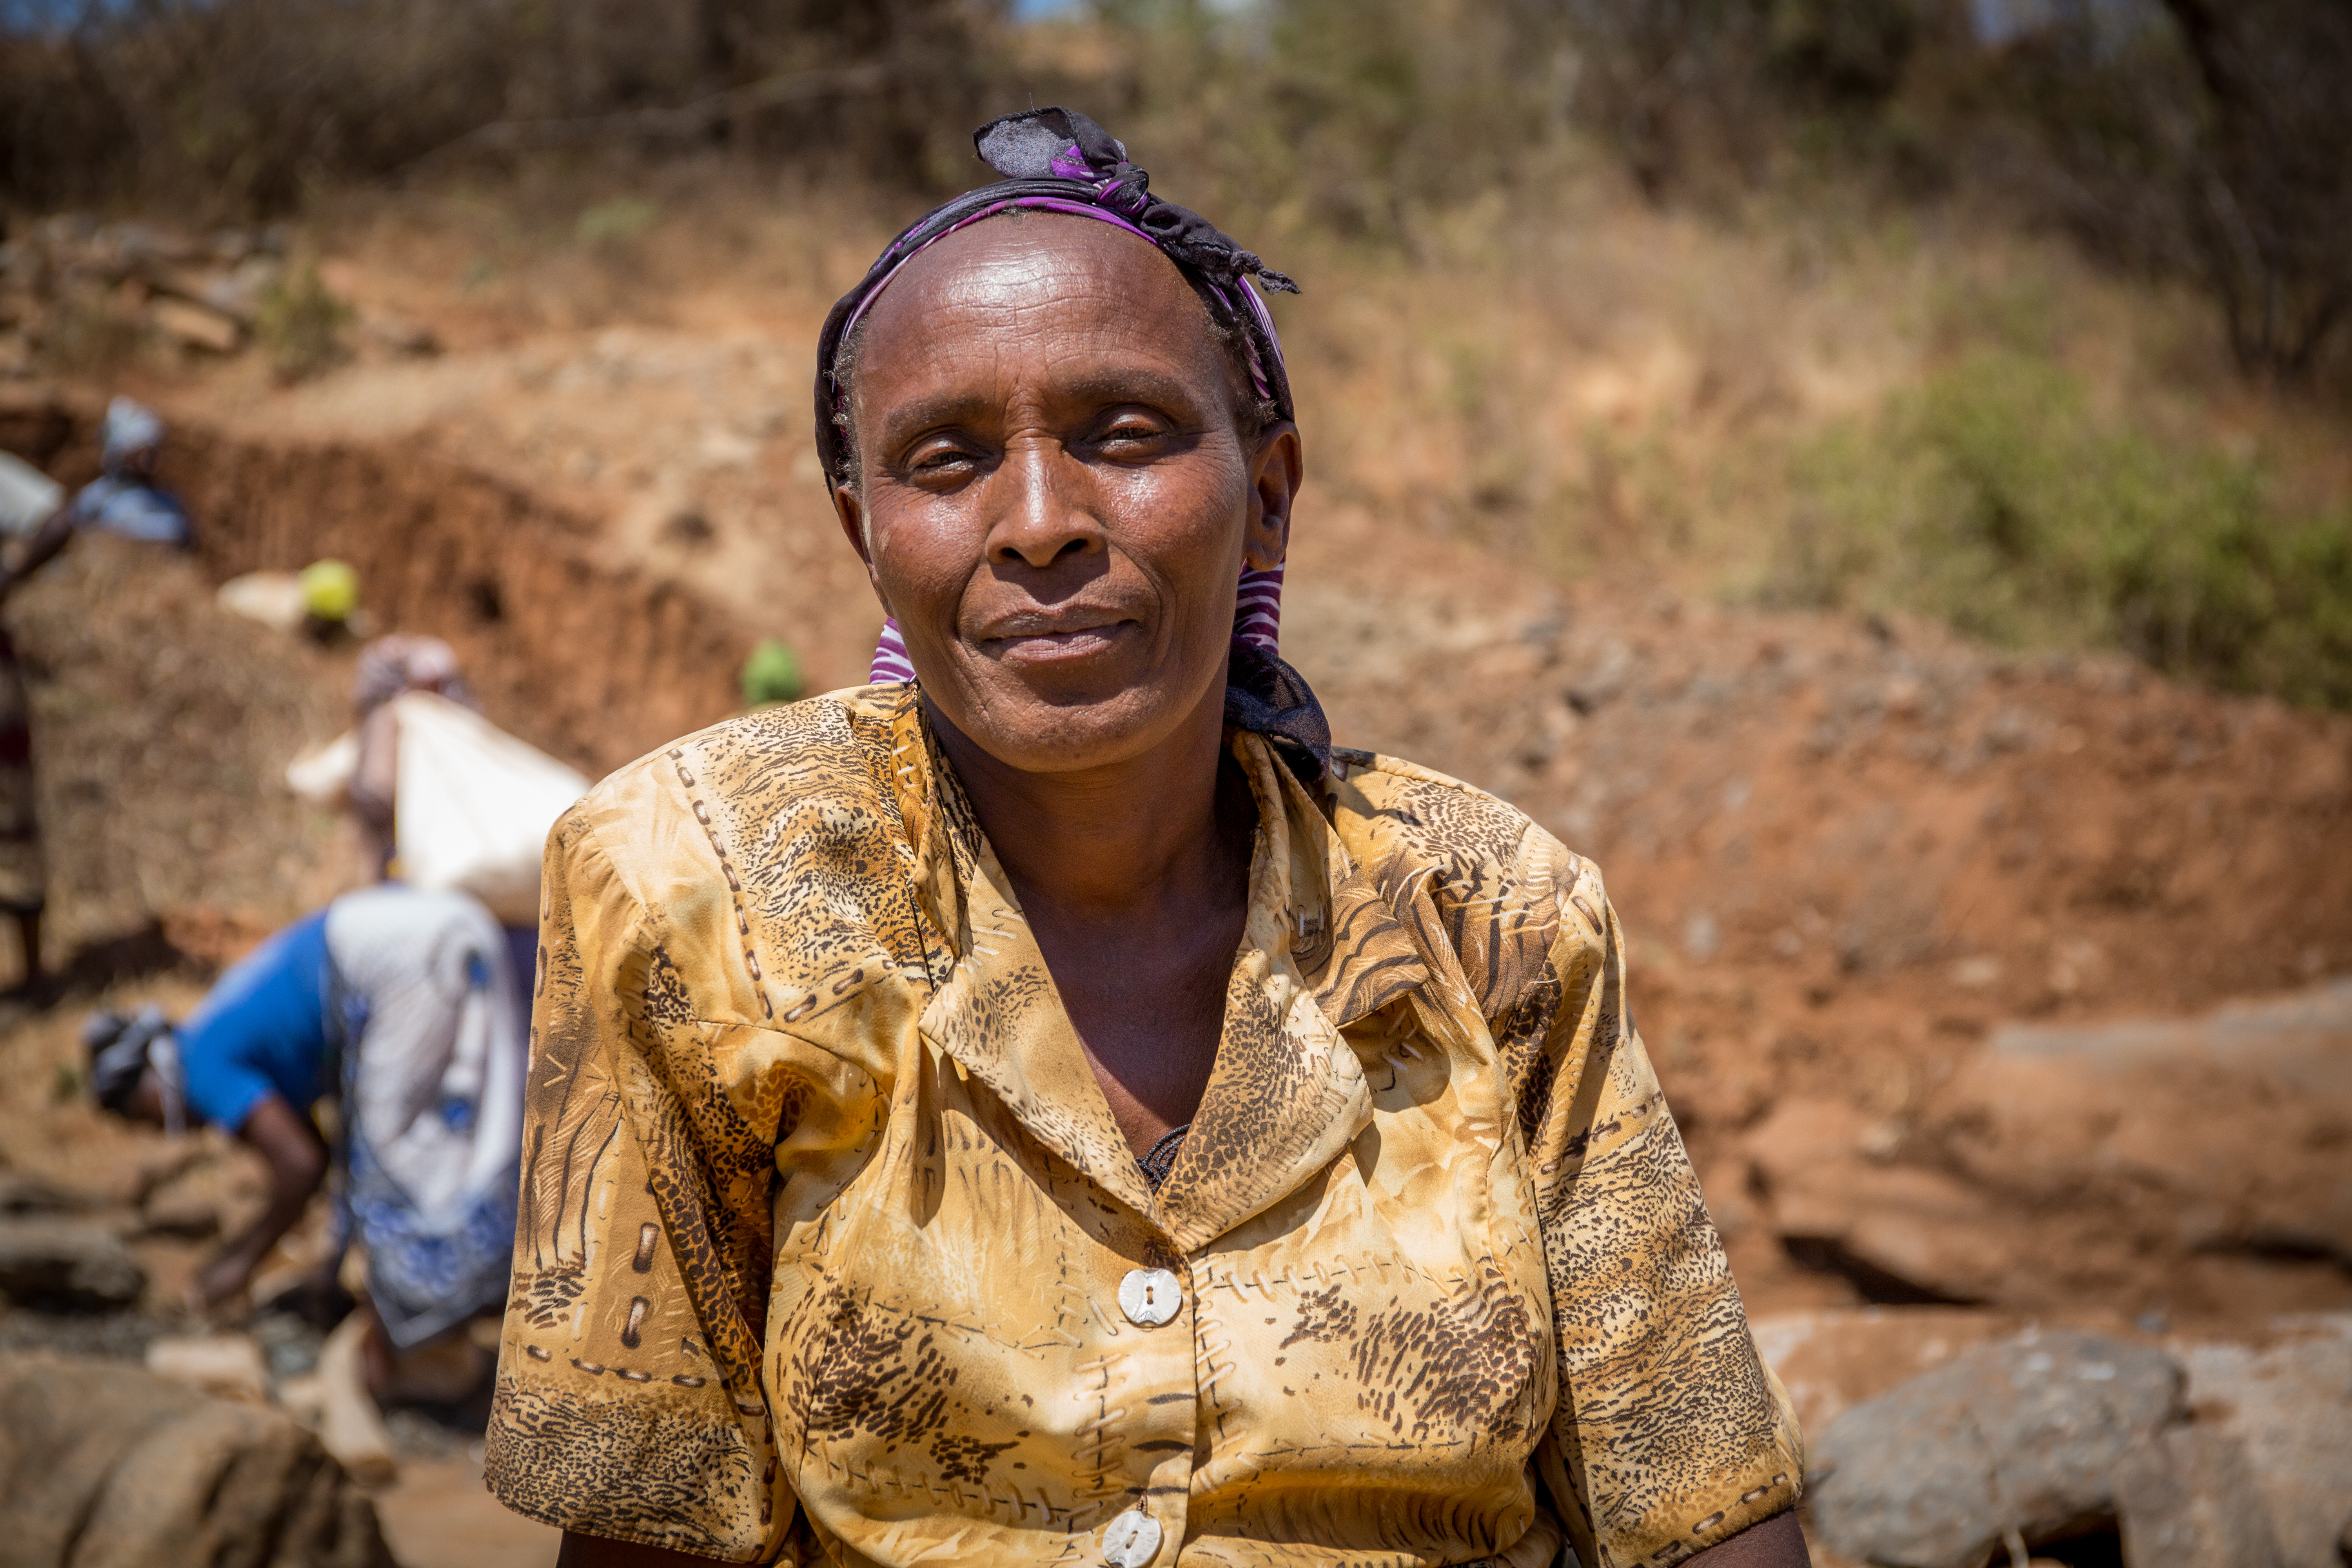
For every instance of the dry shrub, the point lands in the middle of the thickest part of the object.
(238, 107)
(2213, 140)
(302, 324)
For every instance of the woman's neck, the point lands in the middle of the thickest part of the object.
(1153, 835)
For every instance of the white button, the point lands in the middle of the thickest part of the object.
(1132, 1538)
(1149, 1296)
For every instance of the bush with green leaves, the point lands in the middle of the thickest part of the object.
(771, 675)
(1997, 498)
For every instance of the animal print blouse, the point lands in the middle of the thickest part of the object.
(831, 1250)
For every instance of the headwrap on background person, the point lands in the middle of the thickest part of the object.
(391, 664)
(131, 438)
(124, 499)
(1057, 159)
(121, 1049)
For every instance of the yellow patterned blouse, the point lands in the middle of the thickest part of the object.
(831, 1250)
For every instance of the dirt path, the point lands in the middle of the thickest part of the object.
(438, 1515)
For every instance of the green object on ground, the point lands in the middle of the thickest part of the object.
(771, 675)
(331, 590)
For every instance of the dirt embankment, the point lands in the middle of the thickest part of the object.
(591, 662)
(1851, 860)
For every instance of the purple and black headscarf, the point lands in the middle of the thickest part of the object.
(1056, 160)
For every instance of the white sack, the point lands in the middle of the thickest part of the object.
(323, 773)
(474, 805)
(27, 496)
(273, 598)
(471, 805)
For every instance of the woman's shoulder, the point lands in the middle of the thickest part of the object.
(755, 798)
(1503, 886)
(1396, 807)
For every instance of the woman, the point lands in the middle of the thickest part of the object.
(389, 668)
(1057, 1108)
(399, 1006)
(124, 500)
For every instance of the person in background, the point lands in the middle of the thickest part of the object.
(124, 500)
(389, 668)
(392, 666)
(402, 1007)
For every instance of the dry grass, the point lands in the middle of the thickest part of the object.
(1814, 404)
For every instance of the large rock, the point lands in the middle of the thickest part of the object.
(227, 1366)
(2188, 1499)
(2232, 1123)
(2296, 1039)
(58, 1263)
(27, 1194)
(2287, 1396)
(105, 1466)
(2279, 1391)
(2024, 1436)
(1901, 1233)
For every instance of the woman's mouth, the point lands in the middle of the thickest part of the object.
(1053, 642)
(1041, 637)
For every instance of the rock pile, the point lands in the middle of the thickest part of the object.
(75, 292)
(63, 1265)
(72, 275)
(106, 1463)
(2044, 1439)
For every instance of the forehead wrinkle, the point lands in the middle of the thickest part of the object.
(1019, 274)
(981, 315)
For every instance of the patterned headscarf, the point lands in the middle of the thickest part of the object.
(1057, 159)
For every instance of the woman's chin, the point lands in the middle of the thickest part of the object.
(1064, 716)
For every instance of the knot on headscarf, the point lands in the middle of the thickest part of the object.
(1266, 696)
(1063, 145)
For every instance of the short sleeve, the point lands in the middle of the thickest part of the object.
(261, 1030)
(1671, 1433)
(629, 1400)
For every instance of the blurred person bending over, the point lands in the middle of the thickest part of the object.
(402, 1007)
(125, 501)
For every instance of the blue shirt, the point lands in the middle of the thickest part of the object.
(262, 1029)
(132, 510)
(266, 1027)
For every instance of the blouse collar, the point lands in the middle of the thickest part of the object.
(1320, 949)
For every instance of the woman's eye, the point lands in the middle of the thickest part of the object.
(939, 460)
(1131, 430)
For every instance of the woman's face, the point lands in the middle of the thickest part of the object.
(1056, 500)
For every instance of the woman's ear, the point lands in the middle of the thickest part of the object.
(1278, 467)
(849, 508)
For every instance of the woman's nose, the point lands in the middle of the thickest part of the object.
(1043, 512)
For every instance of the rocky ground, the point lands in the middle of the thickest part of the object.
(1991, 991)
